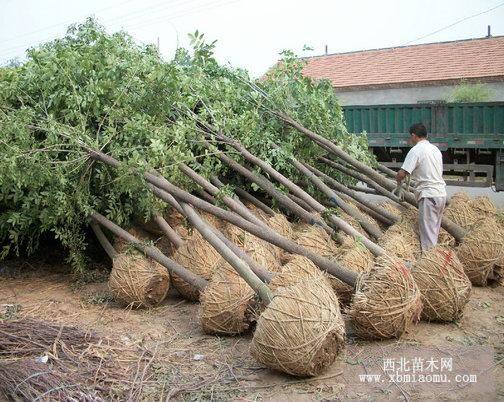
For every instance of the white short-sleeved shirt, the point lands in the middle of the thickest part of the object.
(424, 163)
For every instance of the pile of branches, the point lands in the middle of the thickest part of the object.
(40, 360)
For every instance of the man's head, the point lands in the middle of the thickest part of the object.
(418, 132)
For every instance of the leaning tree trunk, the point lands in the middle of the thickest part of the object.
(455, 230)
(270, 188)
(166, 191)
(370, 228)
(150, 251)
(388, 217)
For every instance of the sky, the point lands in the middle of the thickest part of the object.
(250, 34)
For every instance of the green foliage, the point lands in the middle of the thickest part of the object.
(466, 93)
(107, 92)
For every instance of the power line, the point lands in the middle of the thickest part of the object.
(66, 22)
(455, 23)
(372, 52)
(211, 6)
(7, 53)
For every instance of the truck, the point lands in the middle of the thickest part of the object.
(469, 135)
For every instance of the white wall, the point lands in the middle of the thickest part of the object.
(408, 95)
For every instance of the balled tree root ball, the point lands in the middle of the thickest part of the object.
(281, 225)
(484, 206)
(227, 304)
(297, 269)
(481, 250)
(401, 241)
(460, 210)
(301, 332)
(315, 239)
(138, 281)
(199, 257)
(355, 257)
(444, 286)
(262, 252)
(386, 300)
(122, 246)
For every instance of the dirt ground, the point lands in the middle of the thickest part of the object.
(186, 364)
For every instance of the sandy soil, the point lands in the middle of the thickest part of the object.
(189, 365)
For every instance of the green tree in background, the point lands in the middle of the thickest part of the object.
(466, 93)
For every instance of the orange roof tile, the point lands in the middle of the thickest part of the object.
(418, 64)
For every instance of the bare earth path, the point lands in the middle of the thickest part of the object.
(189, 365)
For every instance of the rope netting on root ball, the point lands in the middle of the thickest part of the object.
(444, 285)
(481, 251)
(199, 257)
(122, 246)
(297, 269)
(484, 206)
(401, 241)
(460, 210)
(228, 304)
(315, 239)
(356, 257)
(138, 281)
(301, 332)
(386, 300)
(262, 252)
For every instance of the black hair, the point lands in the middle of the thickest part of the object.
(418, 129)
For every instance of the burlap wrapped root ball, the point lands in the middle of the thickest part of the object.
(315, 239)
(138, 281)
(199, 257)
(460, 210)
(402, 241)
(123, 246)
(481, 250)
(262, 252)
(444, 286)
(356, 257)
(297, 269)
(301, 332)
(228, 304)
(386, 300)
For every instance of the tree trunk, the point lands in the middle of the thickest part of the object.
(239, 265)
(102, 239)
(151, 252)
(270, 188)
(254, 201)
(389, 217)
(171, 234)
(166, 191)
(260, 271)
(370, 228)
(214, 191)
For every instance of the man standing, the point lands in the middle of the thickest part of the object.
(424, 164)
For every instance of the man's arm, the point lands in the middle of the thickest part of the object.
(400, 176)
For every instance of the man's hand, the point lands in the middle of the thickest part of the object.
(399, 191)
